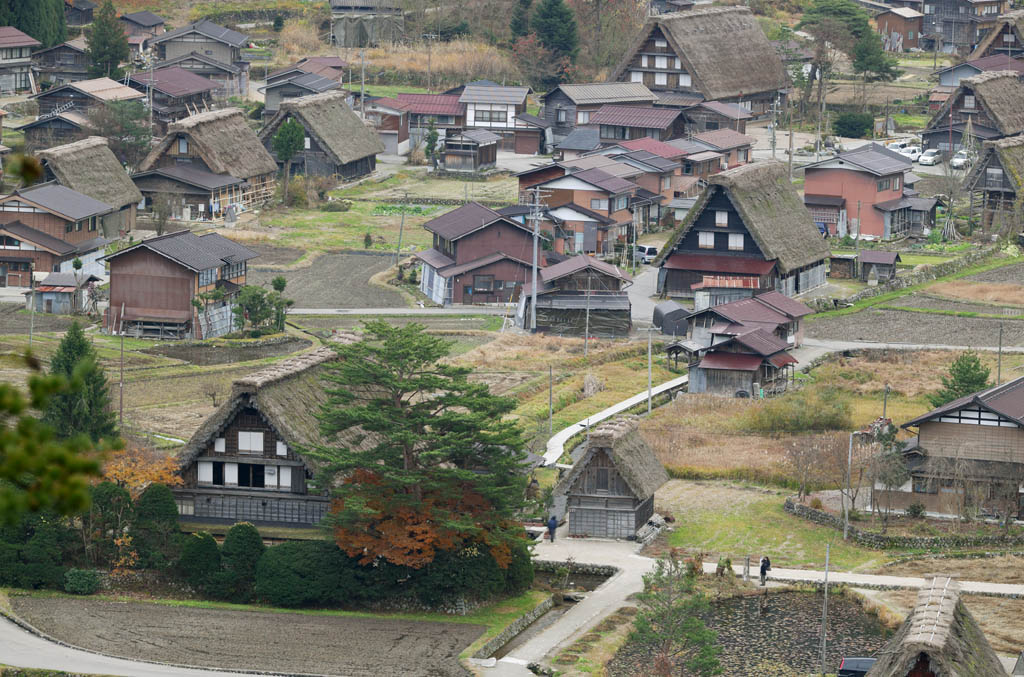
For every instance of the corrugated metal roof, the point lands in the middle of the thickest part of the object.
(103, 89)
(309, 81)
(635, 116)
(704, 156)
(202, 58)
(478, 263)
(608, 92)
(20, 231)
(719, 264)
(879, 256)
(12, 37)
(174, 81)
(207, 28)
(750, 310)
(490, 94)
(596, 301)
(582, 262)
(679, 99)
(581, 138)
(730, 361)
(660, 148)
(762, 342)
(435, 259)
(481, 136)
(904, 12)
(64, 201)
(782, 303)
(1006, 399)
(656, 162)
(432, 104)
(604, 163)
(605, 181)
(729, 110)
(724, 139)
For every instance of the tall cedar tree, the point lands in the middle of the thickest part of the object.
(520, 23)
(289, 140)
(426, 461)
(872, 62)
(107, 43)
(85, 408)
(966, 375)
(42, 19)
(555, 25)
(125, 126)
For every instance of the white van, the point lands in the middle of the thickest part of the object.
(646, 253)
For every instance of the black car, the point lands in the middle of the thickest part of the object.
(854, 666)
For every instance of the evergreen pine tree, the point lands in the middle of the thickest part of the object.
(966, 375)
(85, 409)
(107, 44)
(555, 25)
(520, 24)
(287, 141)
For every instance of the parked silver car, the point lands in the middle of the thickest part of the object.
(932, 156)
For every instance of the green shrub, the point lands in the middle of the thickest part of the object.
(367, 240)
(853, 125)
(81, 581)
(334, 206)
(40, 559)
(811, 409)
(240, 553)
(154, 526)
(915, 510)
(305, 573)
(816, 503)
(199, 561)
(519, 575)
(412, 275)
(468, 572)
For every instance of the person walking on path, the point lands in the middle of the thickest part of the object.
(552, 525)
(766, 566)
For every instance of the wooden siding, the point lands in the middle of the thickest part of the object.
(145, 280)
(977, 442)
(603, 510)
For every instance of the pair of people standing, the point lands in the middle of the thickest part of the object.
(766, 566)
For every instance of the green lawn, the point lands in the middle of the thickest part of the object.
(909, 121)
(417, 184)
(762, 526)
(392, 90)
(906, 259)
(311, 229)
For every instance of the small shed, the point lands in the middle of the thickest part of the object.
(670, 318)
(474, 150)
(60, 293)
(883, 264)
(940, 637)
(842, 266)
(609, 492)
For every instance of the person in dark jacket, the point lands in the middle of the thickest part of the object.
(552, 525)
(766, 566)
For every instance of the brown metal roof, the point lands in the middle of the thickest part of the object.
(783, 304)
(730, 361)
(660, 148)
(435, 259)
(174, 81)
(20, 231)
(1006, 399)
(879, 256)
(749, 310)
(478, 263)
(635, 116)
(719, 264)
(581, 262)
(432, 104)
(605, 181)
(762, 342)
(607, 92)
(724, 139)
(467, 219)
(12, 37)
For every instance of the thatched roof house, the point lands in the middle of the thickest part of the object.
(609, 492)
(220, 142)
(89, 167)
(989, 100)
(1005, 155)
(940, 638)
(994, 42)
(722, 49)
(339, 142)
(749, 222)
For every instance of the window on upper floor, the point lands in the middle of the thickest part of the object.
(929, 9)
(884, 184)
(1009, 38)
(598, 204)
(305, 143)
(183, 145)
(643, 61)
(250, 442)
(561, 115)
(582, 117)
(721, 218)
(685, 80)
(661, 62)
(969, 102)
(660, 43)
(207, 277)
(613, 132)
(666, 182)
(687, 168)
(621, 202)
(706, 240)
(736, 242)
(636, 76)
(678, 64)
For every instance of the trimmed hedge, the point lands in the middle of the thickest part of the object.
(81, 581)
(154, 527)
(304, 573)
(199, 561)
(239, 555)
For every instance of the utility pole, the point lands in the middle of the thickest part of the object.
(586, 329)
(362, 83)
(401, 227)
(120, 406)
(824, 612)
(999, 362)
(32, 309)
(551, 400)
(885, 400)
(534, 202)
(775, 121)
(849, 472)
(650, 334)
(791, 142)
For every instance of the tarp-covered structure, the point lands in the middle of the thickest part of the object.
(670, 318)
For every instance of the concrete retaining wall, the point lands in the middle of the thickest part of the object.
(514, 628)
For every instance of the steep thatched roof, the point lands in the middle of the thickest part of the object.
(771, 210)
(634, 460)
(998, 92)
(1010, 152)
(942, 630)
(89, 167)
(1014, 20)
(223, 139)
(722, 48)
(329, 120)
(289, 394)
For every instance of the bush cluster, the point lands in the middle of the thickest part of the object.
(81, 581)
(815, 408)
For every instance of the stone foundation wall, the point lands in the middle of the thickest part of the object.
(514, 628)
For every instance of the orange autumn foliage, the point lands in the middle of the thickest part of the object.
(138, 465)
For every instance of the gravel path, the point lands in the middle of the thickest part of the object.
(895, 326)
(335, 281)
(265, 641)
(1013, 274)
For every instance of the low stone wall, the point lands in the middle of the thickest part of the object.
(575, 567)
(443, 201)
(514, 628)
(877, 541)
(929, 273)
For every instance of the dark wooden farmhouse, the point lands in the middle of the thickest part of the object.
(717, 53)
(390, 118)
(1004, 38)
(83, 95)
(581, 296)
(297, 85)
(569, 105)
(609, 492)
(89, 167)
(750, 364)
(938, 637)
(366, 23)
(338, 142)
(997, 178)
(45, 227)
(968, 453)
(143, 23)
(877, 265)
(16, 60)
(243, 464)
(63, 63)
(153, 284)
(622, 123)
(220, 143)
(776, 313)
(479, 256)
(748, 224)
(710, 116)
(78, 12)
(53, 130)
(474, 150)
(175, 94)
(990, 101)
(955, 26)
(215, 45)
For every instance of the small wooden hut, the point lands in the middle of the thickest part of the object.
(842, 266)
(670, 317)
(609, 492)
(940, 638)
(474, 150)
(881, 262)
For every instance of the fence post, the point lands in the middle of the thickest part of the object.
(746, 569)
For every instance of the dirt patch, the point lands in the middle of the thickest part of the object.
(252, 640)
(894, 326)
(179, 421)
(1001, 569)
(271, 255)
(1000, 293)
(1011, 274)
(335, 281)
(431, 322)
(929, 302)
(14, 319)
(223, 352)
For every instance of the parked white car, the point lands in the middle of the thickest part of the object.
(646, 253)
(911, 152)
(930, 157)
(962, 160)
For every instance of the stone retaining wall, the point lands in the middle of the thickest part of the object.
(877, 541)
(929, 273)
(514, 628)
(443, 201)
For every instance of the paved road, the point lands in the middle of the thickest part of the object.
(459, 310)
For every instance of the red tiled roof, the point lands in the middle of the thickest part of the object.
(432, 104)
(635, 116)
(659, 148)
(719, 264)
(749, 310)
(388, 102)
(733, 361)
(782, 359)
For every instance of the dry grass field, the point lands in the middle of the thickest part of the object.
(997, 293)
